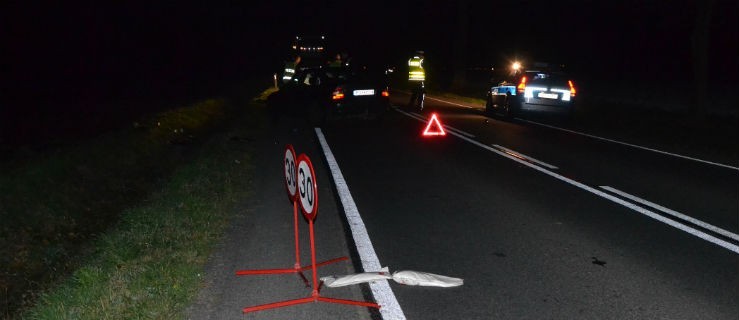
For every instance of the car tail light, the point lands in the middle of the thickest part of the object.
(522, 86)
(338, 94)
(386, 93)
(572, 88)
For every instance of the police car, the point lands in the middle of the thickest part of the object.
(540, 88)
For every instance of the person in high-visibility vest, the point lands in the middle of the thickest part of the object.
(416, 78)
(337, 63)
(291, 66)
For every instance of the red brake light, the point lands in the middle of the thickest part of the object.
(338, 94)
(572, 88)
(522, 85)
(385, 93)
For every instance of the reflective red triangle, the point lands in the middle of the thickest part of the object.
(434, 127)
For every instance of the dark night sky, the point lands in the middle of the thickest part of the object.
(98, 51)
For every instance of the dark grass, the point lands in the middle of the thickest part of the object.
(57, 202)
(149, 266)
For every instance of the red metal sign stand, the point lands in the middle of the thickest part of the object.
(297, 268)
(315, 294)
(310, 215)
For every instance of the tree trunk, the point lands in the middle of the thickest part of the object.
(699, 45)
(459, 79)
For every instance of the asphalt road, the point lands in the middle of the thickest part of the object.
(540, 223)
(566, 242)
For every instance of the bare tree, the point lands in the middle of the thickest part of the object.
(699, 43)
(459, 55)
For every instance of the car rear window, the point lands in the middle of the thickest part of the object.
(343, 75)
(553, 78)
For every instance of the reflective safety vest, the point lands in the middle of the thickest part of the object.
(415, 69)
(289, 71)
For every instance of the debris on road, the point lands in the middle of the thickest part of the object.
(407, 277)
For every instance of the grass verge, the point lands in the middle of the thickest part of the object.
(149, 266)
(120, 226)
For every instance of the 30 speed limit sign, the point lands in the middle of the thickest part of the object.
(291, 183)
(307, 188)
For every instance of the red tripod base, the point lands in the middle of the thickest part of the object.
(297, 269)
(293, 270)
(315, 298)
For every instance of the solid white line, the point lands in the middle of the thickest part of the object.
(390, 308)
(613, 141)
(459, 131)
(521, 155)
(452, 103)
(631, 145)
(416, 114)
(674, 213)
(437, 99)
(450, 128)
(675, 224)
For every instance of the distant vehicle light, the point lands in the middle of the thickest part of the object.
(338, 94)
(516, 65)
(385, 93)
(572, 88)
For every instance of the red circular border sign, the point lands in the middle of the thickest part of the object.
(290, 151)
(307, 181)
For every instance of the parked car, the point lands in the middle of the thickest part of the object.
(540, 88)
(324, 93)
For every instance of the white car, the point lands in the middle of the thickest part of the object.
(538, 89)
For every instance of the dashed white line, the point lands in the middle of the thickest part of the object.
(631, 145)
(632, 206)
(674, 213)
(608, 140)
(389, 306)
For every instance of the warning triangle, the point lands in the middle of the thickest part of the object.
(434, 127)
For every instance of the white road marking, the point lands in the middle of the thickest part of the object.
(452, 103)
(459, 131)
(389, 306)
(449, 102)
(674, 213)
(450, 128)
(609, 140)
(672, 223)
(416, 115)
(525, 157)
(631, 145)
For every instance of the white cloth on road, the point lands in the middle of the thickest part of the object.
(418, 278)
(340, 281)
(407, 277)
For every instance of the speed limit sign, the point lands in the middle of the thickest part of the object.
(291, 183)
(307, 188)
